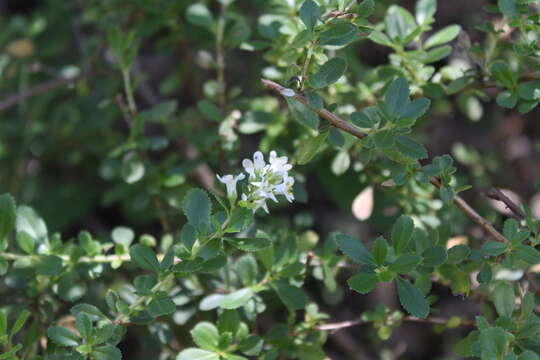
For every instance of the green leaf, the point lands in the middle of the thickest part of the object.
(416, 108)
(308, 149)
(493, 343)
(341, 33)
(380, 250)
(399, 23)
(49, 265)
(309, 14)
(435, 256)
(362, 283)
(336, 138)
(144, 257)
(30, 222)
(529, 90)
(405, 263)
(19, 323)
(302, 114)
(397, 96)
(249, 244)
(425, 9)
(205, 335)
(508, 7)
(228, 321)
(196, 354)
(493, 248)
(161, 305)
(412, 299)
(293, 297)
(209, 110)
(528, 254)
(106, 352)
(384, 139)
(329, 73)
(314, 100)
(362, 120)
(62, 336)
(502, 73)
(410, 148)
(198, 14)
(365, 8)
(504, 299)
(354, 249)
(236, 299)
(25, 242)
(380, 38)
(485, 274)
(402, 233)
(7, 215)
(507, 99)
(197, 207)
(458, 253)
(83, 323)
(443, 36)
(436, 54)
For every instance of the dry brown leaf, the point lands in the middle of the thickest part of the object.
(362, 206)
(20, 48)
(457, 240)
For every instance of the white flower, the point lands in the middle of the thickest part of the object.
(253, 168)
(285, 188)
(230, 182)
(279, 164)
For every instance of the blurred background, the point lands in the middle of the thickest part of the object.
(67, 146)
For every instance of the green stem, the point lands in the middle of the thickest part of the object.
(126, 75)
(220, 57)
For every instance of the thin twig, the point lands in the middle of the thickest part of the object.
(339, 123)
(14, 99)
(333, 327)
(498, 195)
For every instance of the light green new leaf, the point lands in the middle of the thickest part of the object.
(412, 299)
(405, 263)
(236, 299)
(443, 36)
(144, 257)
(30, 222)
(197, 354)
(249, 244)
(399, 23)
(205, 335)
(410, 148)
(380, 250)
(425, 9)
(19, 323)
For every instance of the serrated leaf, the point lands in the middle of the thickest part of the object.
(354, 249)
(83, 323)
(493, 248)
(443, 36)
(329, 73)
(161, 305)
(410, 148)
(405, 263)
(397, 96)
(380, 250)
(293, 297)
(384, 139)
(402, 233)
(412, 299)
(144, 257)
(435, 256)
(62, 336)
(308, 149)
(197, 207)
(416, 108)
(502, 73)
(362, 283)
(302, 114)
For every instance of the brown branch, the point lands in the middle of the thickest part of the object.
(339, 123)
(498, 195)
(333, 327)
(14, 99)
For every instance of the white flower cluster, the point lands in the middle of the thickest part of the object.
(265, 181)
